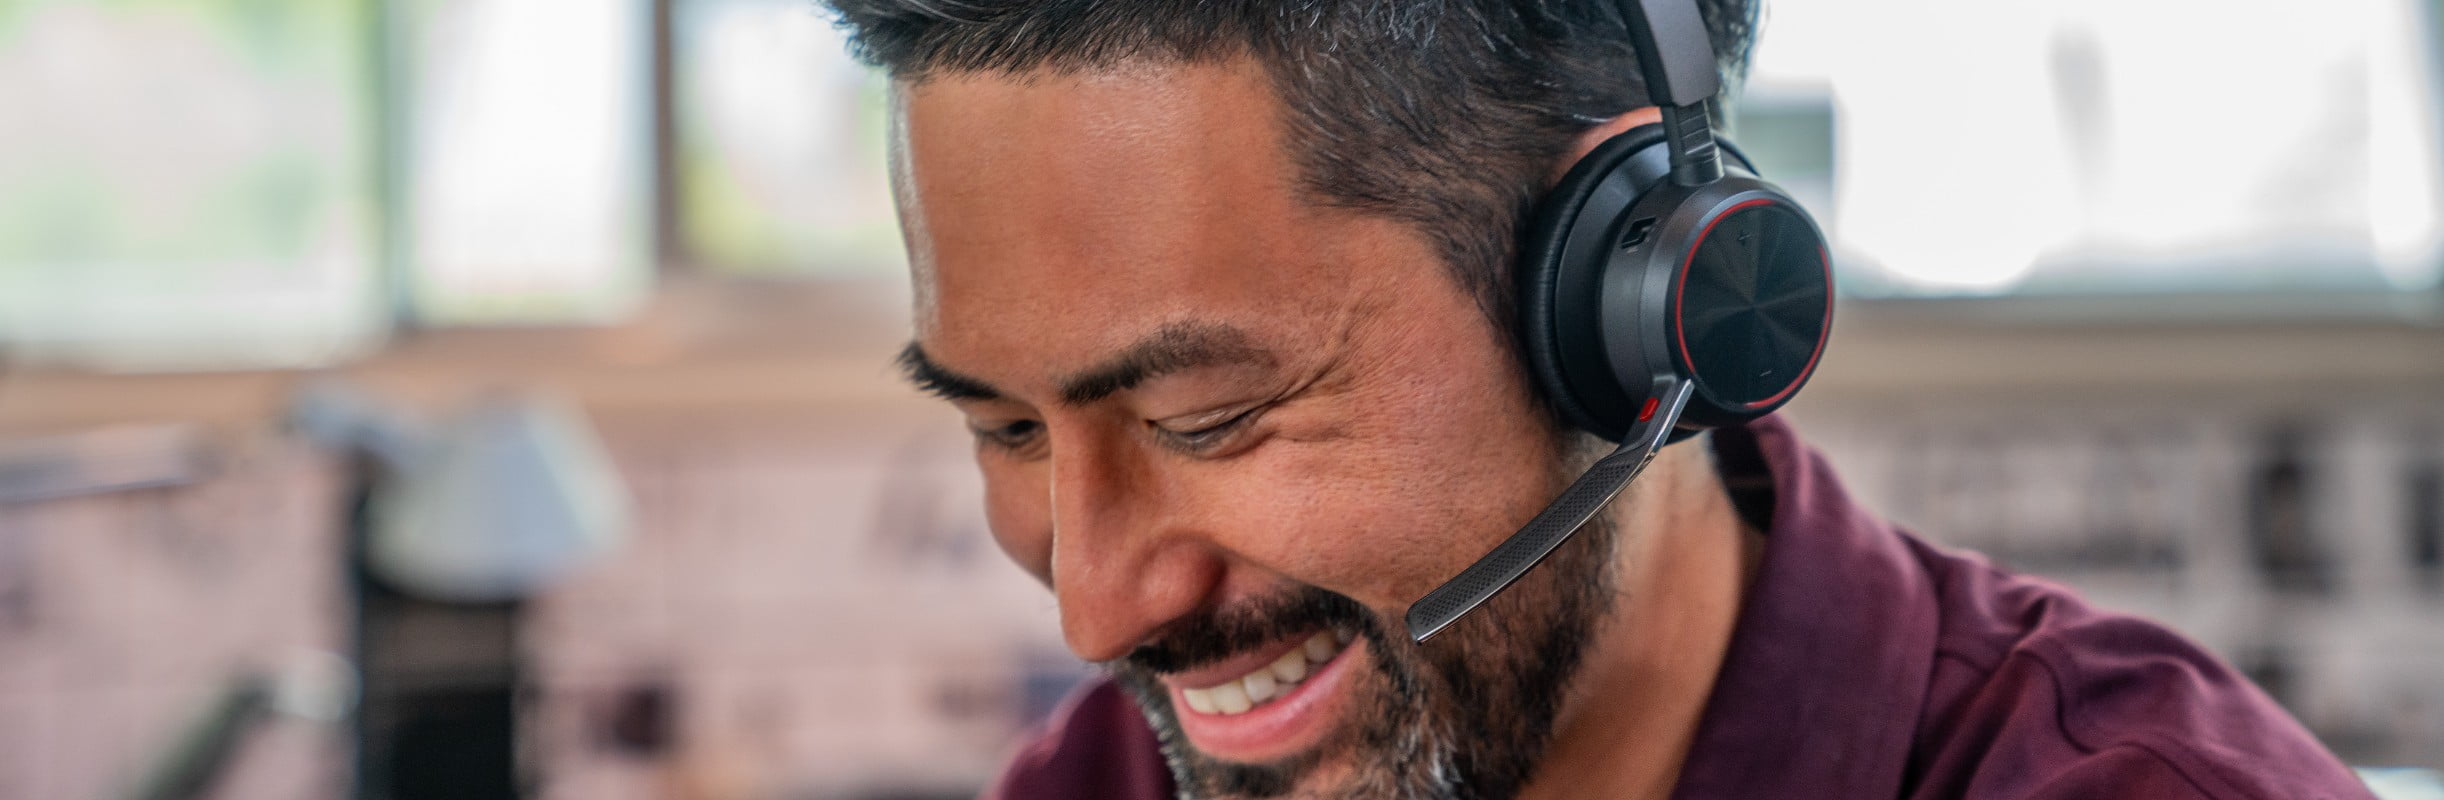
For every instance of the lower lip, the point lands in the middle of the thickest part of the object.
(1285, 726)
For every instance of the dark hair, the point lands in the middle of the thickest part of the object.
(1445, 114)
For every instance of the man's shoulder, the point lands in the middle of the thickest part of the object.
(1097, 744)
(2034, 693)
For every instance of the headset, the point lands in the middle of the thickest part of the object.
(1660, 295)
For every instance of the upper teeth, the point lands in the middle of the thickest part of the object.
(1239, 694)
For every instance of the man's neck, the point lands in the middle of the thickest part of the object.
(1685, 561)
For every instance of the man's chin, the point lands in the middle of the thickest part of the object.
(1384, 717)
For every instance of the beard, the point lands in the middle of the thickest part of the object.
(1464, 717)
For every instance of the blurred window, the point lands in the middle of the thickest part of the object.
(2108, 146)
(195, 184)
(780, 144)
(528, 159)
(186, 184)
(2009, 147)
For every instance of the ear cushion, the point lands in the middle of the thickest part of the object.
(1541, 249)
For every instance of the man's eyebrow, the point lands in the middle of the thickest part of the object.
(1173, 348)
(940, 381)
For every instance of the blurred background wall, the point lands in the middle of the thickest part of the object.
(2143, 295)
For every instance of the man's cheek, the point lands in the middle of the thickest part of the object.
(1364, 545)
(1355, 520)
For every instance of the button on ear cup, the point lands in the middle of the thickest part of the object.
(1751, 311)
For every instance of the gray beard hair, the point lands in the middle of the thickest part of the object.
(1500, 674)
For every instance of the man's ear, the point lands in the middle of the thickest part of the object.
(1588, 139)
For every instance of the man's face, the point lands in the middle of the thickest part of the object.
(1237, 431)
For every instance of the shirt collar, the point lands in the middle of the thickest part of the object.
(1821, 689)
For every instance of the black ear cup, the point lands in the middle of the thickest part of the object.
(1626, 277)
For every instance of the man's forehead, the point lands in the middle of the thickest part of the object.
(1130, 125)
(1074, 211)
(1082, 166)
(1056, 219)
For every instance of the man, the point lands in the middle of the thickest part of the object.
(1222, 289)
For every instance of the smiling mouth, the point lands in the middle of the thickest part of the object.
(1270, 703)
(1268, 681)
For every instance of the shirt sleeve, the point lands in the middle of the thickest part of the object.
(2115, 707)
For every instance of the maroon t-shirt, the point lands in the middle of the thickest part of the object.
(1869, 664)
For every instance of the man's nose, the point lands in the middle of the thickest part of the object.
(1123, 565)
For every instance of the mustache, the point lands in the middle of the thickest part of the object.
(1211, 635)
